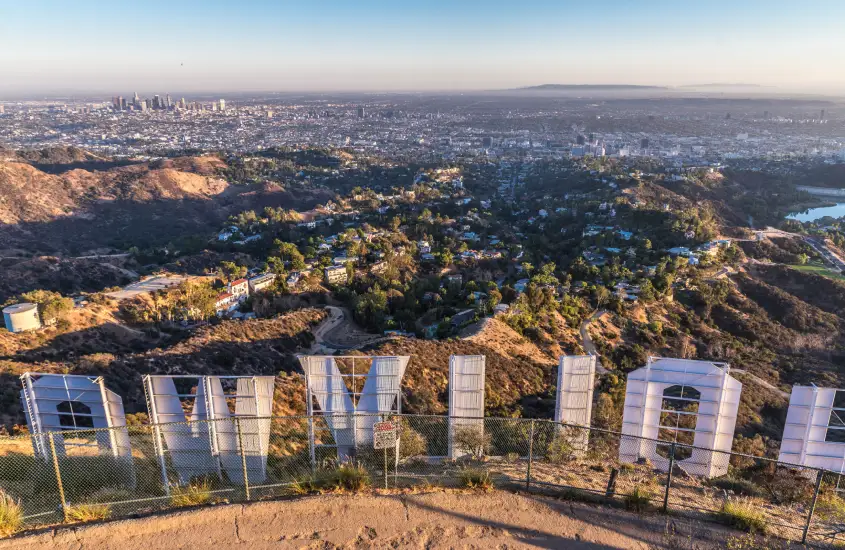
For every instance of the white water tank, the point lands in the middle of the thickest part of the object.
(21, 317)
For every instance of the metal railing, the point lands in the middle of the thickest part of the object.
(262, 458)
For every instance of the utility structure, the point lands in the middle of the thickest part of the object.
(466, 403)
(814, 434)
(227, 430)
(576, 376)
(62, 403)
(350, 393)
(681, 401)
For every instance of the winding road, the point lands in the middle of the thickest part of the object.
(587, 342)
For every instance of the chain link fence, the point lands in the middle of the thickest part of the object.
(82, 477)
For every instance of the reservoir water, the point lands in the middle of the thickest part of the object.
(813, 214)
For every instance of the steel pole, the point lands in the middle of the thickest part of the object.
(58, 474)
(243, 456)
(530, 455)
(812, 507)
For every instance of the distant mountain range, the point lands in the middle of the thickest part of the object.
(587, 87)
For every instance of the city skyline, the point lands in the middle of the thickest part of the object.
(258, 46)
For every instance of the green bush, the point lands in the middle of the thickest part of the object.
(743, 515)
(639, 499)
(475, 478)
(560, 450)
(346, 477)
(739, 486)
(11, 515)
(411, 442)
(471, 439)
(830, 507)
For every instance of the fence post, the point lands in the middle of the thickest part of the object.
(58, 474)
(669, 478)
(530, 455)
(812, 507)
(243, 456)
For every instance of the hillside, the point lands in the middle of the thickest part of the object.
(98, 345)
(519, 374)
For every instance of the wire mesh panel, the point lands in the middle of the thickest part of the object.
(787, 500)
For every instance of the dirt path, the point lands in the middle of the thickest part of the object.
(435, 520)
(339, 332)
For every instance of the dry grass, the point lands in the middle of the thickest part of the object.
(742, 514)
(11, 515)
(194, 494)
(475, 478)
(88, 512)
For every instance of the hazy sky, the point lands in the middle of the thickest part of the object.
(120, 46)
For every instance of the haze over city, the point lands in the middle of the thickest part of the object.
(52, 47)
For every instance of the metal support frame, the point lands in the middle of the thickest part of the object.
(243, 456)
(354, 397)
(669, 478)
(530, 454)
(58, 475)
(819, 478)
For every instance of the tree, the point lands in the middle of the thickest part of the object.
(527, 268)
(602, 296)
(446, 258)
(288, 252)
(231, 271)
(546, 275)
(803, 259)
(51, 305)
(198, 298)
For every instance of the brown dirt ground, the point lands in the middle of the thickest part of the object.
(438, 519)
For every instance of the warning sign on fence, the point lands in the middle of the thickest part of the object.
(385, 435)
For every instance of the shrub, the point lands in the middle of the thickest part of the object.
(511, 458)
(638, 500)
(88, 512)
(471, 439)
(830, 507)
(475, 478)
(737, 485)
(196, 493)
(560, 450)
(11, 515)
(626, 468)
(411, 442)
(350, 477)
(743, 515)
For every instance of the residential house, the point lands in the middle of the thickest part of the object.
(260, 282)
(336, 274)
(239, 288)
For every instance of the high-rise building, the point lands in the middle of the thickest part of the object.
(168, 101)
(184, 105)
(360, 112)
(822, 114)
(2, 109)
(766, 114)
(122, 102)
(580, 140)
(222, 104)
(487, 142)
(644, 143)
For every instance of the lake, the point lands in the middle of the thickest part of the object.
(813, 214)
